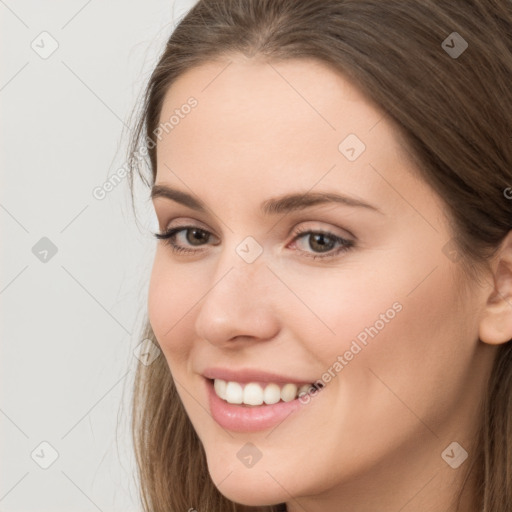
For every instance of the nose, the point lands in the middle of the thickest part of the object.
(238, 305)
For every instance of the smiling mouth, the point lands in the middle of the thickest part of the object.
(254, 394)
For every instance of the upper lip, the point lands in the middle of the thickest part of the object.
(246, 375)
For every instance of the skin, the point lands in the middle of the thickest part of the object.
(373, 438)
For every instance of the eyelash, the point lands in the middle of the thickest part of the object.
(168, 237)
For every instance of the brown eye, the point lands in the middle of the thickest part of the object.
(182, 239)
(320, 242)
(197, 236)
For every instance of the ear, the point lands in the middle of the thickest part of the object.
(496, 320)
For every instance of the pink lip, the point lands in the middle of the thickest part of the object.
(243, 376)
(240, 418)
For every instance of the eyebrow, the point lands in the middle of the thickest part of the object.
(274, 206)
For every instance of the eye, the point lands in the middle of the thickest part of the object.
(323, 243)
(193, 235)
(320, 244)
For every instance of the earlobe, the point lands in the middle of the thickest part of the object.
(496, 321)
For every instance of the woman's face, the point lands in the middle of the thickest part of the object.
(352, 282)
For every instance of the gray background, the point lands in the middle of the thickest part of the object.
(71, 318)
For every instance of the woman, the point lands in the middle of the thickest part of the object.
(332, 286)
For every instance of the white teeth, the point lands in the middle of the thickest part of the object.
(271, 394)
(220, 388)
(234, 393)
(253, 394)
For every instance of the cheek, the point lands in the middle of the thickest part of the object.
(413, 345)
(172, 296)
(342, 308)
(405, 325)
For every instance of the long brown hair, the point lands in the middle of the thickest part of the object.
(452, 113)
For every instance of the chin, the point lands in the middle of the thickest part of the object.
(253, 496)
(247, 486)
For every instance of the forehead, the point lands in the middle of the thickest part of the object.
(295, 98)
(272, 125)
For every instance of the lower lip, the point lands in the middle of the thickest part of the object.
(239, 418)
